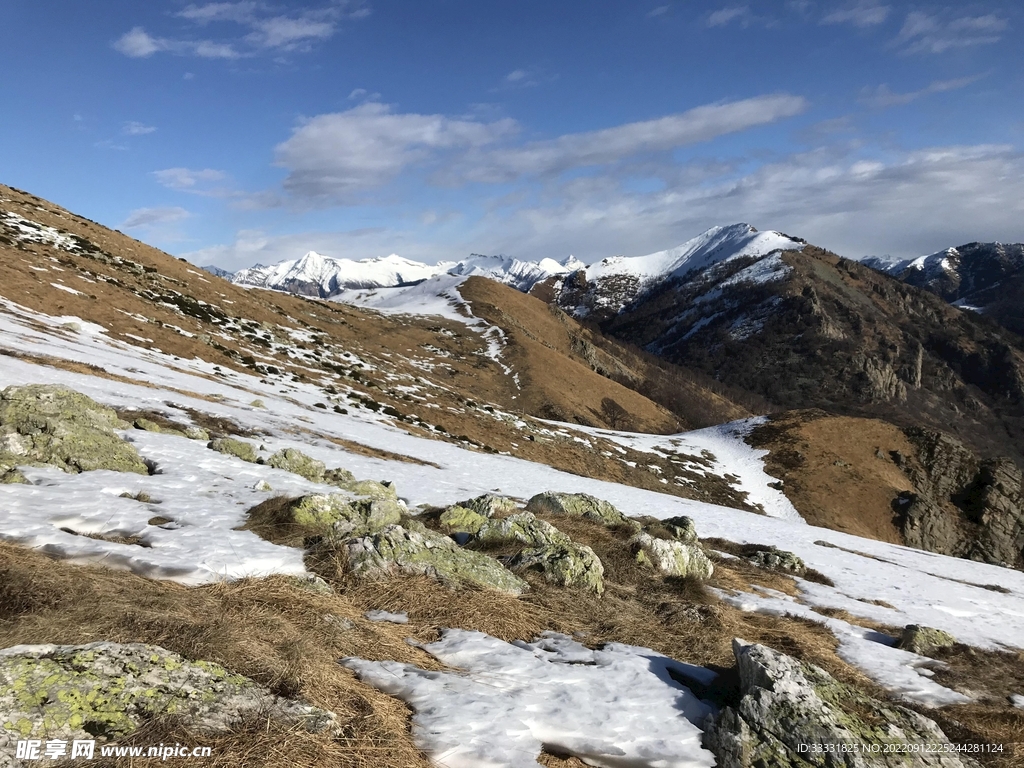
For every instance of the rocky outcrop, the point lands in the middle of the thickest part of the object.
(794, 714)
(53, 425)
(961, 505)
(578, 505)
(107, 690)
(396, 550)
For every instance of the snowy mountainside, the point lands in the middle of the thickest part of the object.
(606, 287)
(984, 277)
(297, 459)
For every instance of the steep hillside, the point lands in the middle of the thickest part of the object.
(810, 329)
(980, 277)
(442, 376)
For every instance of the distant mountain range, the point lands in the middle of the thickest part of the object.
(984, 277)
(324, 277)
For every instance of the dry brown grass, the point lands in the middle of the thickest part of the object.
(272, 630)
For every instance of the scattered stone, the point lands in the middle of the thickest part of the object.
(193, 432)
(394, 618)
(578, 505)
(681, 528)
(149, 425)
(257, 403)
(778, 560)
(234, 447)
(107, 690)
(292, 460)
(924, 641)
(12, 477)
(310, 582)
(397, 550)
(262, 485)
(490, 505)
(339, 477)
(47, 424)
(788, 707)
(672, 558)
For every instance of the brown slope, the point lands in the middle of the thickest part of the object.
(836, 335)
(431, 376)
(563, 365)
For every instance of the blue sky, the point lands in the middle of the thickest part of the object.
(236, 132)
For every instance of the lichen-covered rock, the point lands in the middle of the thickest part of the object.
(924, 640)
(567, 564)
(46, 424)
(234, 447)
(578, 505)
(459, 519)
(522, 528)
(490, 505)
(778, 560)
(343, 515)
(672, 558)
(791, 713)
(292, 460)
(192, 432)
(397, 550)
(148, 425)
(11, 476)
(107, 690)
(339, 476)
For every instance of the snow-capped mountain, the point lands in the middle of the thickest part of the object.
(215, 270)
(317, 275)
(985, 277)
(604, 288)
(323, 276)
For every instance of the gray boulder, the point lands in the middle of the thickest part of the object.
(46, 424)
(671, 557)
(107, 690)
(778, 560)
(292, 460)
(924, 640)
(396, 550)
(579, 505)
(794, 714)
(490, 505)
(231, 446)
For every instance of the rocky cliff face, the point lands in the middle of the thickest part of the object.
(963, 506)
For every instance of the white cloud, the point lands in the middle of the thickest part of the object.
(137, 44)
(610, 145)
(929, 33)
(265, 31)
(334, 156)
(135, 128)
(882, 97)
(515, 76)
(724, 16)
(200, 182)
(916, 202)
(142, 218)
(866, 13)
(661, 10)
